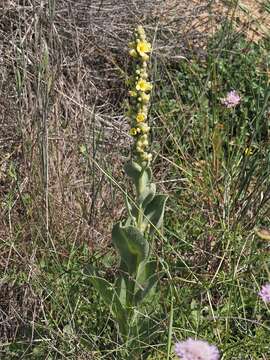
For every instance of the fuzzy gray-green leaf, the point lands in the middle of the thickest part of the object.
(154, 211)
(146, 280)
(110, 297)
(131, 244)
(148, 195)
(143, 184)
(133, 169)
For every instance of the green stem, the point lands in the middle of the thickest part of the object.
(140, 218)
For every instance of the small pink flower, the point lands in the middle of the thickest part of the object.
(265, 293)
(231, 100)
(191, 349)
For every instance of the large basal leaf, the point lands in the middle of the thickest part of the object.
(154, 211)
(131, 244)
(110, 297)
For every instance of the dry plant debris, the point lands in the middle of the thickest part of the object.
(63, 72)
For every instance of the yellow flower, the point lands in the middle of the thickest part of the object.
(140, 117)
(133, 131)
(143, 47)
(143, 85)
(132, 93)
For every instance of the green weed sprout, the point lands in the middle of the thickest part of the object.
(137, 275)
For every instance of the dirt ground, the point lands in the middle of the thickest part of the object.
(254, 16)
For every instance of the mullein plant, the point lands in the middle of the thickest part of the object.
(138, 272)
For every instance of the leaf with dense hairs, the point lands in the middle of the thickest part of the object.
(141, 178)
(121, 289)
(148, 195)
(131, 244)
(133, 169)
(143, 183)
(146, 280)
(154, 211)
(111, 299)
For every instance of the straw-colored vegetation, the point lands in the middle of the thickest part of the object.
(65, 135)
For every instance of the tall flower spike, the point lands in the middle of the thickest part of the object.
(140, 95)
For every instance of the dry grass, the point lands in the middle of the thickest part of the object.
(63, 70)
(19, 307)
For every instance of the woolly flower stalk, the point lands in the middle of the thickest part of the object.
(140, 95)
(191, 349)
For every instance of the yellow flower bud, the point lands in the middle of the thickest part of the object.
(144, 128)
(140, 30)
(145, 97)
(144, 109)
(132, 93)
(144, 137)
(144, 56)
(144, 76)
(133, 53)
(145, 143)
(139, 148)
(146, 157)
